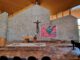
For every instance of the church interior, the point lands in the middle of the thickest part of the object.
(40, 28)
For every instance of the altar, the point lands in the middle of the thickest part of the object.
(35, 49)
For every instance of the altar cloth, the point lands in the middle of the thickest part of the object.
(27, 45)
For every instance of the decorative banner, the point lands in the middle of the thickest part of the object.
(48, 31)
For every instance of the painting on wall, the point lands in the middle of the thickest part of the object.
(48, 31)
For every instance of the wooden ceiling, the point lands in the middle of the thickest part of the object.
(55, 6)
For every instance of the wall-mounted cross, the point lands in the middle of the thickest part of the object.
(37, 26)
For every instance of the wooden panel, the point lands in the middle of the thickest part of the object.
(55, 6)
(76, 13)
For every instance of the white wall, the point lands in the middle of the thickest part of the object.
(67, 28)
(3, 25)
(22, 24)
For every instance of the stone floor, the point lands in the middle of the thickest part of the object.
(55, 51)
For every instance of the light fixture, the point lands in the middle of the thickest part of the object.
(37, 2)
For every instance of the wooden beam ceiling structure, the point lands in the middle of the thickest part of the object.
(55, 6)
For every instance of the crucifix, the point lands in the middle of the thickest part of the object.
(37, 26)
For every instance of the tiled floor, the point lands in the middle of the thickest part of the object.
(56, 52)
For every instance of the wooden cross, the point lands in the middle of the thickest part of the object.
(37, 26)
